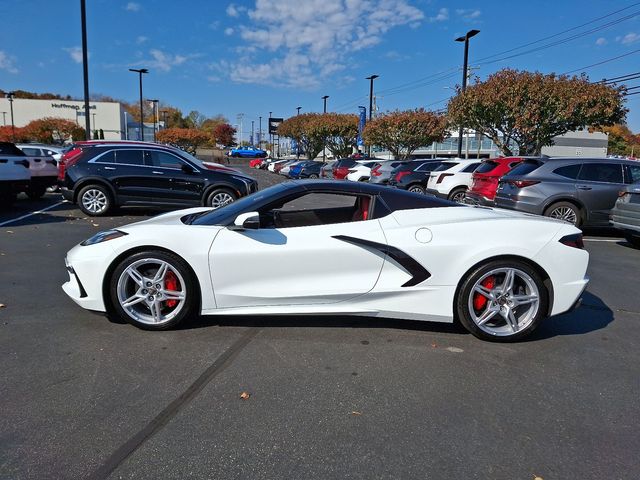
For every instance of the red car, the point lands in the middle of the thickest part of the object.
(341, 168)
(256, 163)
(485, 179)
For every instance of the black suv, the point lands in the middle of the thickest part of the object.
(100, 176)
(414, 175)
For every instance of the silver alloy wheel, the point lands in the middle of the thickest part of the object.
(510, 306)
(143, 295)
(564, 213)
(94, 200)
(220, 199)
(458, 197)
(415, 190)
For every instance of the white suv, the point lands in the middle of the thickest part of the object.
(451, 179)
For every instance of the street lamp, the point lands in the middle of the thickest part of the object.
(240, 117)
(298, 109)
(164, 118)
(253, 144)
(154, 106)
(260, 133)
(324, 110)
(465, 39)
(94, 122)
(371, 79)
(140, 72)
(85, 69)
(324, 142)
(13, 126)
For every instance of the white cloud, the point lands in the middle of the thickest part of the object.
(305, 41)
(75, 53)
(164, 61)
(235, 10)
(442, 16)
(601, 41)
(468, 14)
(7, 62)
(228, 31)
(132, 7)
(629, 38)
(141, 39)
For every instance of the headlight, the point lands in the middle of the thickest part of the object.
(103, 237)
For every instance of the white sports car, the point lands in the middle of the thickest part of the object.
(319, 247)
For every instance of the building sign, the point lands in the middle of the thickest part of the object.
(274, 123)
(73, 107)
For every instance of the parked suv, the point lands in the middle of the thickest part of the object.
(581, 191)
(452, 179)
(100, 176)
(485, 178)
(43, 169)
(625, 215)
(413, 176)
(381, 172)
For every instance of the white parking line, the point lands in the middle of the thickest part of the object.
(7, 222)
(609, 240)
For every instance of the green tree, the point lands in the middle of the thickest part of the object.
(529, 109)
(304, 130)
(402, 132)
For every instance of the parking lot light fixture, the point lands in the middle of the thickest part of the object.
(298, 109)
(324, 99)
(465, 68)
(10, 96)
(140, 72)
(85, 69)
(371, 79)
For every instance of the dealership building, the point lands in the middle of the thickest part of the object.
(109, 117)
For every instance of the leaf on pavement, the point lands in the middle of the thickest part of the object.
(356, 413)
(245, 395)
(2, 305)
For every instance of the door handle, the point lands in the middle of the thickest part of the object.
(583, 187)
(157, 173)
(109, 168)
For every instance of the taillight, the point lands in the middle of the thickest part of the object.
(574, 241)
(522, 183)
(375, 171)
(443, 176)
(61, 170)
(399, 175)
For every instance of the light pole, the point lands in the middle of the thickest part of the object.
(324, 142)
(164, 118)
(260, 132)
(4, 118)
(13, 126)
(270, 134)
(154, 103)
(253, 144)
(85, 69)
(140, 72)
(240, 116)
(371, 79)
(465, 39)
(298, 109)
(94, 123)
(324, 99)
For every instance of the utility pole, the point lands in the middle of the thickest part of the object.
(298, 109)
(270, 134)
(324, 142)
(13, 125)
(465, 39)
(260, 133)
(140, 72)
(371, 79)
(85, 69)
(253, 143)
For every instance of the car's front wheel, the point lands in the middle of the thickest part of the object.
(416, 189)
(153, 290)
(457, 195)
(565, 211)
(94, 200)
(220, 197)
(502, 300)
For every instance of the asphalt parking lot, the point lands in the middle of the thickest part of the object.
(330, 397)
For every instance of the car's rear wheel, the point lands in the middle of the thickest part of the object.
(502, 301)
(94, 200)
(565, 211)
(313, 176)
(634, 240)
(220, 197)
(153, 290)
(416, 189)
(457, 195)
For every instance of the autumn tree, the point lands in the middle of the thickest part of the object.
(339, 132)
(15, 135)
(53, 130)
(303, 129)
(224, 134)
(402, 132)
(529, 109)
(622, 141)
(188, 139)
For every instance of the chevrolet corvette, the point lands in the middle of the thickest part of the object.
(324, 248)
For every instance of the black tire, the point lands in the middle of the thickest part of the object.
(457, 194)
(313, 176)
(102, 204)
(634, 240)
(217, 195)
(187, 309)
(416, 188)
(36, 193)
(564, 211)
(465, 301)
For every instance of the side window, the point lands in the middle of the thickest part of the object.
(601, 172)
(470, 168)
(633, 173)
(568, 171)
(108, 157)
(317, 209)
(162, 159)
(129, 157)
(32, 152)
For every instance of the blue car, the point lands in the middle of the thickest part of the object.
(248, 152)
(307, 169)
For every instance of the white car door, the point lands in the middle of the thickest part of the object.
(300, 265)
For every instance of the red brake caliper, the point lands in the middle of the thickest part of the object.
(171, 283)
(479, 300)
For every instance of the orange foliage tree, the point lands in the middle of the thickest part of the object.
(53, 130)
(188, 139)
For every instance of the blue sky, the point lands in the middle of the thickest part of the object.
(221, 56)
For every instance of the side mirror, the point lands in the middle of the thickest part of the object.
(247, 221)
(187, 168)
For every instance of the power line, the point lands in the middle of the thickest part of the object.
(601, 62)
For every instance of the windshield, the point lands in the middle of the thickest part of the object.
(225, 215)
